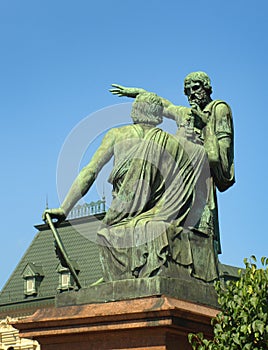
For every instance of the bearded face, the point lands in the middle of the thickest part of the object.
(197, 95)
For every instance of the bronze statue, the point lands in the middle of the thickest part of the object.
(154, 180)
(207, 123)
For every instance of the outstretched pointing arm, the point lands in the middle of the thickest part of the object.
(170, 110)
(121, 90)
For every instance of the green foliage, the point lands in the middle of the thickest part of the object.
(243, 320)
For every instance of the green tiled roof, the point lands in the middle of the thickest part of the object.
(78, 238)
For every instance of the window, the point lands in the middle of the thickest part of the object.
(66, 281)
(30, 284)
(33, 276)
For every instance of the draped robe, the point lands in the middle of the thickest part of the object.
(161, 187)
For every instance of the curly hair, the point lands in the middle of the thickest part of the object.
(147, 108)
(201, 77)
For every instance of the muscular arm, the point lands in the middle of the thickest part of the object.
(121, 90)
(170, 110)
(223, 168)
(173, 112)
(87, 175)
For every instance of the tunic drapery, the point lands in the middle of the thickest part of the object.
(161, 188)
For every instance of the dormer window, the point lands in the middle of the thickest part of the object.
(66, 280)
(32, 275)
(30, 285)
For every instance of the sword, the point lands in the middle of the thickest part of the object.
(62, 249)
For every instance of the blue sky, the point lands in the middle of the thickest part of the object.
(58, 59)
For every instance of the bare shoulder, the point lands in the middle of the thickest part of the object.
(123, 132)
(117, 132)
